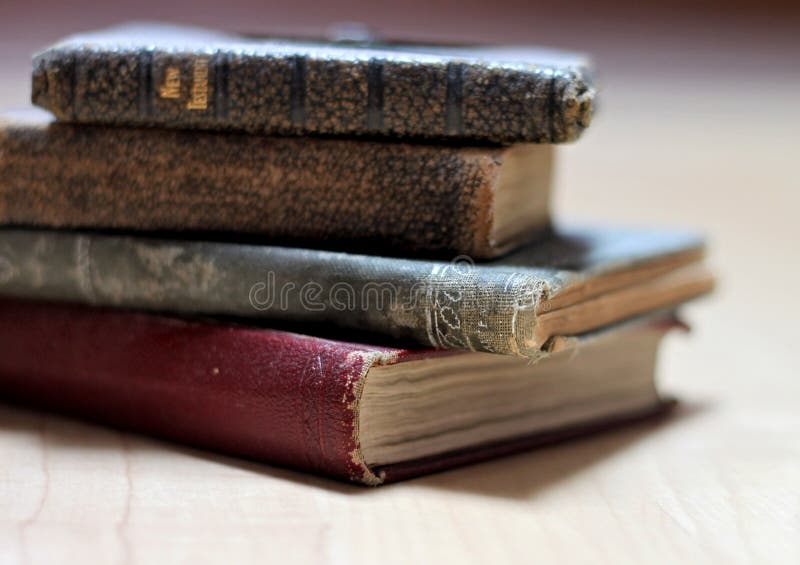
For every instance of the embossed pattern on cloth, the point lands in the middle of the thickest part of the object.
(491, 307)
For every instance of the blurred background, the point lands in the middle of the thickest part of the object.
(698, 127)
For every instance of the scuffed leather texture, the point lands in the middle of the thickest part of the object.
(272, 396)
(345, 194)
(507, 95)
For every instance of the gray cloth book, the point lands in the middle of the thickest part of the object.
(576, 281)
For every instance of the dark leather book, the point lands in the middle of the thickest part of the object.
(352, 411)
(573, 282)
(191, 78)
(401, 198)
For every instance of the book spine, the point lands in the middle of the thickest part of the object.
(272, 396)
(450, 306)
(300, 94)
(367, 196)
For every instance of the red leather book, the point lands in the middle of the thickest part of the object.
(274, 396)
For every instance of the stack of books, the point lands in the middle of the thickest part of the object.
(337, 257)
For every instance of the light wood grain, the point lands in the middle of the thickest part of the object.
(698, 144)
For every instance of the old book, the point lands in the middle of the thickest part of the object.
(352, 411)
(334, 193)
(191, 78)
(573, 282)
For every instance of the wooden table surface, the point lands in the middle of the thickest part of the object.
(689, 135)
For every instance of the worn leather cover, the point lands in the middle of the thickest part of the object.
(191, 78)
(492, 307)
(408, 198)
(273, 396)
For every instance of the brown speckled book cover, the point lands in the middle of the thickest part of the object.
(386, 198)
(166, 76)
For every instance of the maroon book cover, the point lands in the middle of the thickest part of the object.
(282, 398)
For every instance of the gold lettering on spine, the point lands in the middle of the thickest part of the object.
(199, 99)
(172, 84)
